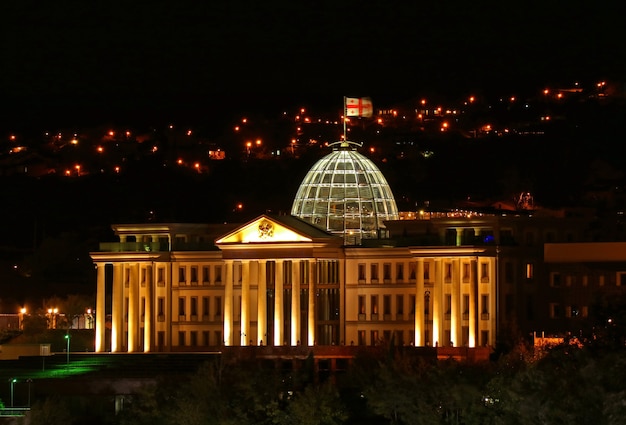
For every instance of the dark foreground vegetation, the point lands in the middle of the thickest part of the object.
(564, 385)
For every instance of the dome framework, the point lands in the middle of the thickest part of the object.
(346, 194)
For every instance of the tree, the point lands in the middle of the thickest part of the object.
(53, 410)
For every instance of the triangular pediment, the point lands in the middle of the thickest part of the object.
(264, 229)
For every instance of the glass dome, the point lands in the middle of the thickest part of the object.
(345, 194)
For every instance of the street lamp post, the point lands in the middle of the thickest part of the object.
(67, 337)
(30, 381)
(12, 381)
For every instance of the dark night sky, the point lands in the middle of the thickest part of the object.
(77, 59)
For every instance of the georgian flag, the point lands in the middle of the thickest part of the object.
(359, 107)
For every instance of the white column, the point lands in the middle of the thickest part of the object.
(278, 304)
(133, 306)
(420, 326)
(311, 303)
(473, 295)
(100, 308)
(228, 303)
(295, 302)
(147, 319)
(455, 319)
(437, 307)
(245, 302)
(493, 300)
(262, 304)
(117, 307)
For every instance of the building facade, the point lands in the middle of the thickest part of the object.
(279, 280)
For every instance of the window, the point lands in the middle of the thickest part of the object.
(181, 338)
(484, 306)
(413, 270)
(530, 272)
(205, 307)
(161, 276)
(469, 237)
(161, 308)
(555, 279)
(361, 273)
(181, 307)
(555, 310)
(621, 279)
(206, 275)
(448, 306)
(387, 306)
(193, 338)
(218, 275)
(450, 237)
(400, 272)
(194, 275)
(144, 272)
(218, 308)
(374, 338)
(362, 307)
(181, 275)
(484, 272)
(361, 338)
(466, 272)
(205, 338)
(387, 272)
(399, 305)
(374, 272)
(412, 300)
(143, 308)
(193, 307)
(374, 302)
(426, 271)
(448, 272)
(218, 338)
(484, 338)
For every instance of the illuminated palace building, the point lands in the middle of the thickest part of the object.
(344, 268)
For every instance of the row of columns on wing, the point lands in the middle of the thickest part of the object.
(125, 299)
(455, 303)
(449, 302)
(253, 320)
(255, 324)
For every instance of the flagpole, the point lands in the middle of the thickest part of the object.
(345, 116)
